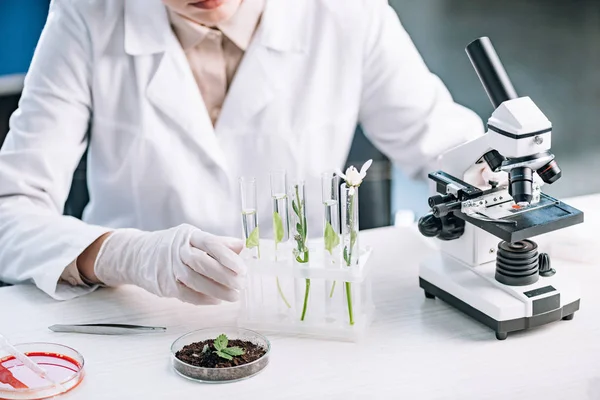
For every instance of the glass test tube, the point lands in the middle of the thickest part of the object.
(249, 215)
(331, 216)
(281, 232)
(350, 242)
(350, 225)
(298, 221)
(300, 250)
(281, 222)
(331, 239)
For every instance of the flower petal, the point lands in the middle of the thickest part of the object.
(340, 173)
(365, 167)
(353, 178)
(350, 170)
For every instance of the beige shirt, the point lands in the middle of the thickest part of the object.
(214, 55)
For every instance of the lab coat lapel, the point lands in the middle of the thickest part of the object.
(172, 88)
(174, 92)
(280, 38)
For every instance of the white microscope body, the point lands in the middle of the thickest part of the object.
(487, 266)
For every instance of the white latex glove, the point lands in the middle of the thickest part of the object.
(183, 262)
(480, 175)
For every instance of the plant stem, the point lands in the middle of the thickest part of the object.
(332, 289)
(279, 285)
(301, 241)
(349, 300)
(281, 293)
(306, 292)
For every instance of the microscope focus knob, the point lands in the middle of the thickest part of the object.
(545, 267)
(440, 199)
(429, 225)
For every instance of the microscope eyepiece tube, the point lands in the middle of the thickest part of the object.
(491, 72)
(494, 160)
(521, 185)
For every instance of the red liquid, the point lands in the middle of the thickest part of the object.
(60, 368)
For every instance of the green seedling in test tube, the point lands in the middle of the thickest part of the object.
(250, 227)
(280, 219)
(301, 253)
(353, 179)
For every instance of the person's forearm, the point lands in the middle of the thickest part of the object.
(87, 259)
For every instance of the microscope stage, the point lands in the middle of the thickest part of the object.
(503, 308)
(549, 215)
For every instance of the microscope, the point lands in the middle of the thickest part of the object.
(488, 267)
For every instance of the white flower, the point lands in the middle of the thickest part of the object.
(353, 177)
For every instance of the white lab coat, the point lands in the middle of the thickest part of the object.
(314, 69)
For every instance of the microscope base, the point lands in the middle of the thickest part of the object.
(503, 308)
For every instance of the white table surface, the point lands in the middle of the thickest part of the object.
(417, 348)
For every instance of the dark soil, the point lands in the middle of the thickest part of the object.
(192, 354)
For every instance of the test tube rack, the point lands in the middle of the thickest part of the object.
(276, 300)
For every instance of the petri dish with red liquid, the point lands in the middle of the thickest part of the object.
(63, 365)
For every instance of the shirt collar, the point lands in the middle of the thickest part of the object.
(239, 28)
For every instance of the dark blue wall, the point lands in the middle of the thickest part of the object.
(21, 22)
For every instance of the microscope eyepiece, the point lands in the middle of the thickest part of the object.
(521, 185)
(494, 160)
(550, 172)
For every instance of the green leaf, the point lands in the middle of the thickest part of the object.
(299, 229)
(254, 239)
(224, 355)
(346, 258)
(234, 351)
(295, 207)
(305, 228)
(205, 349)
(277, 227)
(220, 342)
(332, 239)
(353, 236)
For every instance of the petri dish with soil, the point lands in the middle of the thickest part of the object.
(220, 355)
(63, 364)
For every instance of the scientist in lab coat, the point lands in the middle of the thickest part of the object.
(175, 100)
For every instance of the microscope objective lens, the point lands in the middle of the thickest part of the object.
(521, 185)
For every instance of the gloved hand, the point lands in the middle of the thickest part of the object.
(183, 262)
(480, 175)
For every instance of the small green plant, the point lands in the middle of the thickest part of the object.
(221, 349)
(348, 258)
(332, 239)
(301, 229)
(254, 240)
(353, 179)
(278, 234)
(301, 252)
(353, 235)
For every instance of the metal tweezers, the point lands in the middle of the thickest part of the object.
(107, 329)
